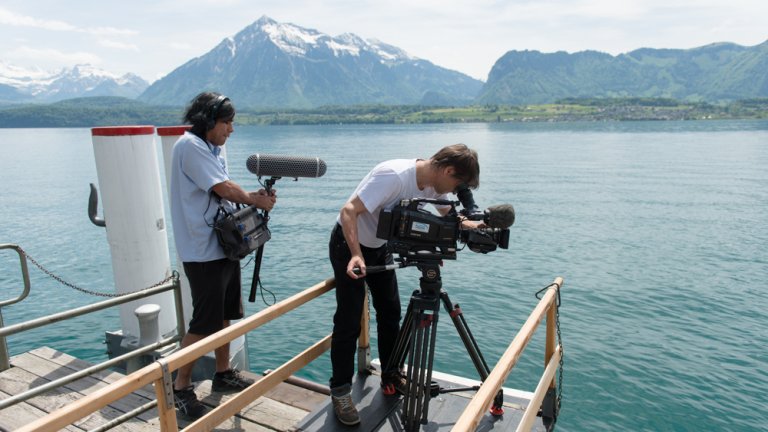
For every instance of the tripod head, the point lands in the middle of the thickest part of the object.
(430, 281)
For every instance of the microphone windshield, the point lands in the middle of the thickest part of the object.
(500, 216)
(285, 166)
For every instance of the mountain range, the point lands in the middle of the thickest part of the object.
(18, 85)
(712, 73)
(271, 65)
(274, 65)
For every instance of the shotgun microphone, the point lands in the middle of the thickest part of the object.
(285, 166)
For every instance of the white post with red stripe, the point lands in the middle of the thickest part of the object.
(168, 137)
(132, 202)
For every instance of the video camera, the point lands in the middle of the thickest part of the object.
(417, 234)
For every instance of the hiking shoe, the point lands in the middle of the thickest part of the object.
(229, 381)
(345, 409)
(394, 382)
(187, 404)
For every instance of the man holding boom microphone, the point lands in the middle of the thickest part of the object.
(354, 245)
(199, 181)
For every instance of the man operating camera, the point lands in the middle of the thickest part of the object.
(354, 245)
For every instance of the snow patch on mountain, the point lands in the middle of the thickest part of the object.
(298, 41)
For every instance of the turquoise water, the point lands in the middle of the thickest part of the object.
(659, 229)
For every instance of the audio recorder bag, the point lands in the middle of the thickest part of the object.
(240, 232)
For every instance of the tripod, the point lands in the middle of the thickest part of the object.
(417, 339)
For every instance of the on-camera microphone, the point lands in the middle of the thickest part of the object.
(499, 216)
(285, 166)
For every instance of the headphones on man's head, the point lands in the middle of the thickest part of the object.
(213, 111)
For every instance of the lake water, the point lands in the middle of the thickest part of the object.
(658, 228)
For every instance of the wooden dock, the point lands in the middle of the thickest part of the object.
(286, 407)
(281, 409)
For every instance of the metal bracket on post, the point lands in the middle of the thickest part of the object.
(167, 383)
(364, 366)
(364, 360)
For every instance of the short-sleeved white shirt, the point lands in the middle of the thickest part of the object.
(385, 186)
(196, 166)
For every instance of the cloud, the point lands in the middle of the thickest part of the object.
(51, 56)
(118, 45)
(13, 19)
(181, 46)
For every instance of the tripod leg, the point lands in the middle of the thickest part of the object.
(412, 395)
(420, 362)
(429, 348)
(399, 352)
(457, 316)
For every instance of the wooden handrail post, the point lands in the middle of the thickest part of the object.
(166, 415)
(364, 340)
(549, 349)
(540, 393)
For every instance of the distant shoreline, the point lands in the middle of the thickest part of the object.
(90, 112)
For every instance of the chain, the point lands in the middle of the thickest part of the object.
(83, 290)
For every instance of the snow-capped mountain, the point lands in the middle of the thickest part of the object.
(270, 64)
(37, 85)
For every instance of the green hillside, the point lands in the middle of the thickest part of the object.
(722, 72)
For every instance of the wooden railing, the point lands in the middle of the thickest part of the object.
(552, 353)
(159, 373)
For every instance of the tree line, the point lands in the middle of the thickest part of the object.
(114, 111)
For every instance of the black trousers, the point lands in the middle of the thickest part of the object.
(350, 294)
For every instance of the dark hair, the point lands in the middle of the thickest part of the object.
(463, 160)
(205, 109)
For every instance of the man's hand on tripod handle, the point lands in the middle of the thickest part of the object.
(375, 269)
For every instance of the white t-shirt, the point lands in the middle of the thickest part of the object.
(384, 187)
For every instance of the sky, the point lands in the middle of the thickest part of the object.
(152, 38)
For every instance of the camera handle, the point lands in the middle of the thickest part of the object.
(378, 269)
(400, 263)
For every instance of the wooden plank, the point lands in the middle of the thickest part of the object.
(263, 411)
(289, 394)
(76, 364)
(86, 385)
(17, 380)
(100, 379)
(141, 396)
(236, 423)
(297, 396)
(280, 409)
(21, 414)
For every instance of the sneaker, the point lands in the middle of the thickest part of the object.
(231, 380)
(187, 404)
(394, 382)
(345, 409)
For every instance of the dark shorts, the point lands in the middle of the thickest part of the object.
(216, 294)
